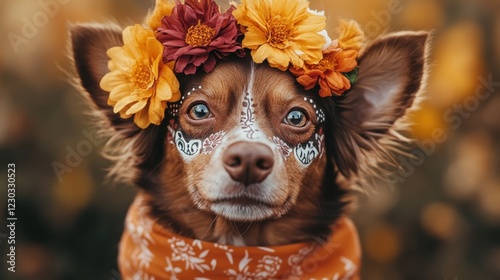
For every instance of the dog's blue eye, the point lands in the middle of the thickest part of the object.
(296, 118)
(199, 112)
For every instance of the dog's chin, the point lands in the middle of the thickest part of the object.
(244, 209)
(234, 211)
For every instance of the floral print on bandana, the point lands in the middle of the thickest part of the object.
(148, 251)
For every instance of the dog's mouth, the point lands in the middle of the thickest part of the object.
(246, 210)
(244, 207)
(244, 200)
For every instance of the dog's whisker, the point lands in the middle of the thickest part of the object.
(156, 166)
(248, 228)
(209, 226)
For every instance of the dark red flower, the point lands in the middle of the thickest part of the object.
(197, 34)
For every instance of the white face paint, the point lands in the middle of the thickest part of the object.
(188, 148)
(212, 142)
(284, 149)
(320, 138)
(320, 115)
(247, 120)
(306, 153)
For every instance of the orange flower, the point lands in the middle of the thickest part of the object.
(338, 60)
(328, 73)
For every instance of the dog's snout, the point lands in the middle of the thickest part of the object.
(248, 162)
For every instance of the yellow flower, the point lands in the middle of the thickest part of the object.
(351, 36)
(162, 8)
(139, 82)
(281, 31)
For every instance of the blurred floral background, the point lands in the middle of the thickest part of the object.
(438, 218)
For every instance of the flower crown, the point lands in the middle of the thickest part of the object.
(182, 37)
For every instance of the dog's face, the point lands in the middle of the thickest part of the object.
(248, 139)
(247, 143)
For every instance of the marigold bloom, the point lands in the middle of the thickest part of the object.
(162, 8)
(281, 31)
(338, 59)
(351, 36)
(328, 73)
(139, 83)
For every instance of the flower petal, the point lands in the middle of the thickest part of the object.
(122, 113)
(120, 58)
(334, 80)
(167, 84)
(124, 102)
(154, 47)
(254, 38)
(295, 59)
(209, 64)
(134, 37)
(162, 8)
(351, 36)
(137, 107)
(311, 24)
(279, 7)
(155, 68)
(346, 61)
(261, 53)
(120, 92)
(181, 64)
(176, 96)
(112, 80)
(309, 41)
(307, 81)
(156, 111)
(325, 90)
(141, 119)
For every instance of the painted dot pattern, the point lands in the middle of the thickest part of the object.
(173, 108)
(320, 115)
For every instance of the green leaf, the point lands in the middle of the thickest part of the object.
(352, 76)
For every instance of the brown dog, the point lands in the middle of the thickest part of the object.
(249, 158)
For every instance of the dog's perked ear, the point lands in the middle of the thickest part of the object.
(89, 44)
(392, 72)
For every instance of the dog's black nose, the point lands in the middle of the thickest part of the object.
(248, 162)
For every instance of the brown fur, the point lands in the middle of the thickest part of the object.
(360, 131)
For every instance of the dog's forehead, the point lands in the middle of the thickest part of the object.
(274, 85)
(233, 79)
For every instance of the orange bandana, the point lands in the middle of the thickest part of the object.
(148, 251)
